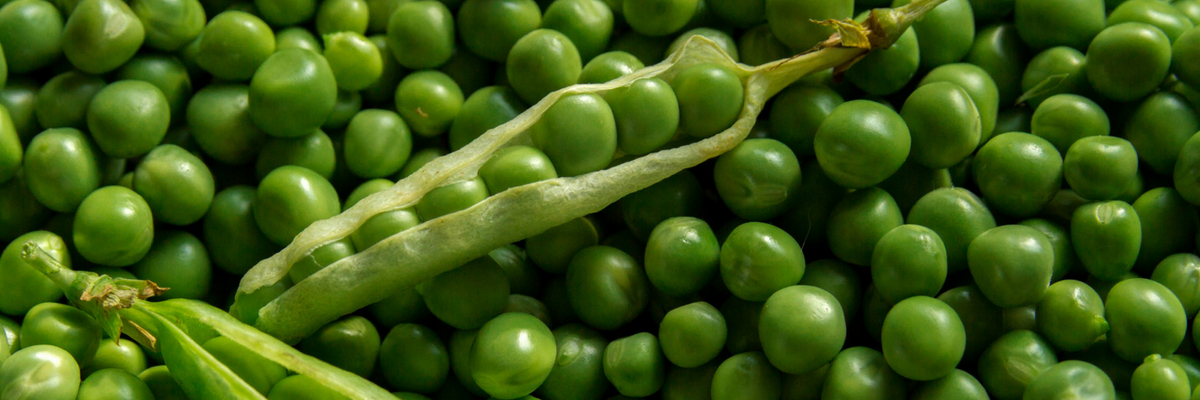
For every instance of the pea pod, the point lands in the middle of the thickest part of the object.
(440, 244)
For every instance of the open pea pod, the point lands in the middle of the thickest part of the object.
(438, 245)
(176, 328)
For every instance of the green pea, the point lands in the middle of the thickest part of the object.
(861, 143)
(528, 305)
(908, 261)
(491, 28)
(808, 219)
(588, 23)
(292, 93)
(1108, 70)
(759, 179)
(797, 113)
(350, 343)
(635, 364)
(722, 39)
(982, 321)
(302, 387)
(1012, 264)
(176, 184)
(1144, 318)
(459, 346)
(259, 372)
(913, 181)
(658, 17)
(692, 335)
(979, 84)
(675, 196)
(858, 221)
(429, 101)
(648, 50)
(512, 355)
(523, 277)
(128, 118)
(405, 306)
(101, 36)
(710, 99)
(320, 258)
(30, 287)
(297, 38)
(1065, 259)
(19, 97)
(1160, 128)
(31, 31)
(758, 46)
(1066, 118)
(1061, 64)
(162, 384)
(289, 199)
(1176, 272)
(377, 143)
(286, 12)
(219, 117)
(862, 373)
(1071, 378)
(646, 113)
(1008, 366)
(943, 122)
(923, 338)
(179, 261)
(790, 20)
(1018, 173)
(126, 356)
(805, 386)
(542, 62)
(42, 371)
(1106, 236)
(109, 383)
(682, 256)
(1167, 225)
(61, 168)
(384, 88)
(801, 317)
(606, 288)
(170, 25)
(413, 358)
(578, 134)
(248, 305)
(516, 166)
(1071, 315)
(166, 73)
(113, 227)
(608, 66)
(234, 44)
(451, 198)
(485, 109)
(1186, 47)
(1069, 23)
(837, 278)
(421, 34)
(957, 385)
(342, 16)
(63, 101)
(232, 237)
(64, 327)
(1160, 378)
(1100, 167)
(758, 259)
(1190, 366)
(1163, 16)
(481, 280)
(355, 62)
(314, 151)
(999, 50)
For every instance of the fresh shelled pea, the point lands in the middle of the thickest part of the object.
(857, 223)
(107, 383)
(979, 84)
(481, 280)
(113, 227)
(608, 66)
(512, 355)
(1144, 318)
(176, 185)
(541, 62)
(63, 100)
(1123, 81)
(923, 338)
(801, 317)
(1175, 272)
(998, 49)
(301, 387)
(861, 143)
(1159, 129)
(1071, 315)
(588, 23)
(943, 123)
(491, 28)
(1183, 53)
(32, 34)
(692, 335)
(710, 99)
(1012, 264)
(1059, 23)
(758, 259)
(314, 152)
(1066, 118)
(451, 198)
(126, 356)
(1163, 16)
(578, 133)
(162, 384)
(1160, 378)
(606, 288)
(1100, 167)
(682, 256)
(578, 371)
(909, 260)
(1018, 173)
(787, 17)
(421, 34)
(646, 114)
(234, 44)
(355, 62)
(658, 17)
(289, 199)
(797, 113)
(413, 358)
(1011, 362)
(377, 143)
(64, 327)
(292, 93)
(350, 343)
(759, 179)
(635, 364)
(103, 35)
(429, 101)
(1064, 62)
(1107, 237)
(62, 168)
(862, 373)
(1167, 225)
(484, 109)
(41, 371)
(128, 118)
(722, 39)
(230, 233)
(177, 260)
(219, 117)
(1071, 378)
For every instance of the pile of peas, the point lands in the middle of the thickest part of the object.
(1002, 205)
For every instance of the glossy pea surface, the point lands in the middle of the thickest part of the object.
(481, 280)
(63, 168)
(1018, 173)
(1012, 264)
(113, 227)
(801, 317)
(909, 260)
(757, 259)
(421, 34)
(1010, 363)
(491, 28)
(578, 133)
(1123, 81)
(289, 199)
(413, 358)
(292, 93)
(606, 287)
(1100, 167)
(541, 62)
(692, 335)
(41, 371)
(982, 321)
(486, 108)
(861, 143)
(682, 256)
(759, 179)
(710, 99)
(943, 122)
(1144, 318)
(858, 221)
(646, 114)
(512, 355)
(1071, 378)
(862, 373)
(1071, 315)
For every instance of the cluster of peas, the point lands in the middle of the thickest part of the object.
(158, 138)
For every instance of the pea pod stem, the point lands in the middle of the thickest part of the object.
(415, 255)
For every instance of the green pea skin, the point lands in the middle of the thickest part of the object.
(1061, 60)
(1106, 236)
(946, 32)
(1190, 366)
(512, 355)
(289, 199)
(176, 184)
(377, 143)
(692, 335)
(758, 46)
(646, 113)
(30, 287)
(1071, 315)
(908, 261)
(588, 23)
(179, 261)
(404, 307)
(1186, 47)
(259, 372)
(1163, 16)
(126, 356)
(31, 32)
(957, 216)
(286, 12)
(342, 16)
(384, 88)
(1159, 129)
(998, 49)
(63, 101)
(19, 96)
(608, 66)
(789, 20)
(114, 382)
(234, 44)
(1100, 167)
(169, 25)
(1018, 173)
(913, 181)
(758, 259)
(690, 383)
(861, 143)
(128, 118)
(162, 385)
(797, 113)
(1190, 8)
(418, 160)
(297, 38)
(979, 84)
(1178, 272)
(606, 287)
(1116, 79)
(862, 373)
(982, 320)
(421, 34)
(578, 371)
(102, 35)
(578, 134)
(710, 99)
(957, 385)
(233, 239)
(944, 124)
(166, 73)
(113, 227)
(1065, 259)
(1159, 378)
(1012, 265)
(1012, 361)
(64, 327)
(682, 256)
(648, 50)
(460, 351)
(1066, 118)
(923, 338)
(723, 40)
(485, 109)
(658, 17)
(801, 317)
(481, 280)
(219, 118)
(858, 221)
(541, 62)
(429, 101)
(302, 387)
(351, 343)
(40, 371)
(1069, 379)
(635, 364)
(1069, 23)
(355, 62)
(451, 198)
(516, 166)
(61, 168)
(759, 179)
(292, 93)
(1144, 318)
(491, 28)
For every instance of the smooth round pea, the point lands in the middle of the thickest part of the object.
(553, 249)
(485, 109)
(635, 364)
(63, 326)
(682, 256)
(588, 23)
(257, 371)
(528, 305)
(219, 117)
(377, 143)
(979, 84)
(342, 16)
(176, 185)
(923, 338)
(957, 385)
(541, 62)
(839, 279)
(406, 306)
(658, 17)
(166, 73)
(289, 199)
(677, 195)
(451, 198)
(31, 32)
(886, 71)
(578, 371)
(1065, 259)
(723, 41)
(41, 372)
(758, 46)
(1163, 16)
(516, 166)
(162, 384)
(61, 168)
(1012, 265)
(355, 62)
(1183, 53)
(758, 259)
(578, 134)
(1144, 318)
(314, 151)
(286, 12)
(113, 227)
(943, 122)
(1168, 226)
(429, 101)
(297, 38)
(126, 356)
(179, 261)
(1018, 173)
(414, 359)
(19, 97)
(957, 216)
(909, 260)
(384, 88)
(1160, 128)
(710, 99)
(490, 28)
(759, 179)
(1043, 68)
(798, 111)
(350, 343)
(606, 287)
(1107, 237)
(998, 49)
(861, 143)
(946, 32)
(1068, 23)
(459, 346)
(1068, 379)
(1008, 366)
(789, 20)
(1071, 315)
(421, 34)
(805, 317)
(102, 35)
(302, 387)
(128, 118)
(646, 114)
(608, 66)
(1100, 167)
(858, 221)
(234, 44)
(1160, 378)
(1176, 272)
(170, 25)
(692, 335)
(292, 93)
(862, 373)
(1109, 71)
(512, 355)
(1066, 118)
(29, 286)
(468, 296)
(109, 383)
(982, 320)
(232, 236)
(747, 376)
